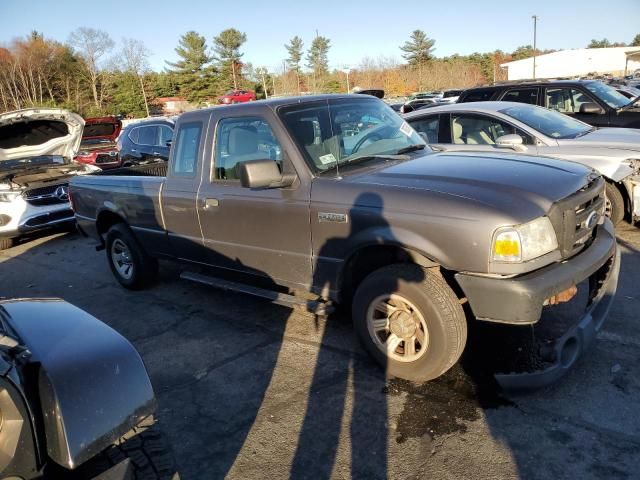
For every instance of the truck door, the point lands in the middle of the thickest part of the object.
(180, 189)
(263, 231)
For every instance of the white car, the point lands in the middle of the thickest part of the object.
(614, 152)
(37, 147)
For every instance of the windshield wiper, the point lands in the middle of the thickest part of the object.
(411, 148)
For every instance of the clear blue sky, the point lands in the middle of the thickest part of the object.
(357, 29)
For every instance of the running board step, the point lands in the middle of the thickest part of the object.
(316, 307)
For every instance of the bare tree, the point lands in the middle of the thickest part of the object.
(136, 58)
(92, 44)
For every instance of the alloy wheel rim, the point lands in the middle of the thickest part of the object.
(397, 328)
(121, 259)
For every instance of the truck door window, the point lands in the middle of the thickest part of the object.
(428, 126)
(186, 150)
(522, 95)
(242, 139)
(479, 130)
(566, 100)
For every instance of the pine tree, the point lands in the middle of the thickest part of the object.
(636, 41)
(194, 75)
(294, 49)
(418, 49)
(317, 60)
(227, 53)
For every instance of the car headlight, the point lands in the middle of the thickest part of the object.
(8, 196)
(521, 243)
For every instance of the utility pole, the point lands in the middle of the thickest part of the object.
(535, 24)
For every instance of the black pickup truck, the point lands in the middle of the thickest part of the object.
(338, 197)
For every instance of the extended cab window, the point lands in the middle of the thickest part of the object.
(566, 100)
(241, 139)
(480, 130)
(186, 150)
(522, 95)
(427, 126)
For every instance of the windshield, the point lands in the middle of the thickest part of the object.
(550, 123)
(608, 94)
(98, 129)
(335, 132)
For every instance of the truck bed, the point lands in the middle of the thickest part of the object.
(150, 170)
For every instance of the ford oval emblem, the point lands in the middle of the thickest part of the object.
(591, 220)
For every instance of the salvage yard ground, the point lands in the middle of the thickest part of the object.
(247, 389)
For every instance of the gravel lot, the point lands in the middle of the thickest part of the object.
(247, 389)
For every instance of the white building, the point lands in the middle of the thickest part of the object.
(617, 61)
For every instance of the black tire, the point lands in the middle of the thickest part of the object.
(614, 203)
(438, 306)
(6, 243)
(144, 268)
(150, 456)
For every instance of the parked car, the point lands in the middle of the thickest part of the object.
(75, 398)
(629, 92)
(365, 218)
(147, 141)
(412, 105)
(490, 126)
(450, 96)
(98, 145)
(237, 96)
(36, 151)
(591, 101)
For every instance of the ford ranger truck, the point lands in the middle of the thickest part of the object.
(337, 196)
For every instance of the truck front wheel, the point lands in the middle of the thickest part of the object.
(614, 203)
(410, 321)
(129, 263)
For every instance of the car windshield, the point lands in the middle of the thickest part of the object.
(331, 133)
(550, 123)
(608, 94)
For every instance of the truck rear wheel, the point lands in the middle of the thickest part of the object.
(129, 263)
(410, 321)
(614, 203)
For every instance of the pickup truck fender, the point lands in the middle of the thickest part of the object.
(93, 386)
(417, 247)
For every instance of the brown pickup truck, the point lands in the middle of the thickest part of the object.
(337, 197)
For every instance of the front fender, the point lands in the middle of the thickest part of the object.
(92, 384)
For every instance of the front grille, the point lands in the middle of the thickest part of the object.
(46, 218)
(576, 217)
(49, 195)
(107, 158)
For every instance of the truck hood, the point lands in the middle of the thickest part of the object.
(505, 182)
(37, 132)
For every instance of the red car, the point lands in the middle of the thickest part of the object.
(98, 146)
(237, 96)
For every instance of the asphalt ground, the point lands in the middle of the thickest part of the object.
(248, 389)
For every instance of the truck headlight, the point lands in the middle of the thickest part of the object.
(8, 196)
(521, 243)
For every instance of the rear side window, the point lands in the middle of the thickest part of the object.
(148, 135)
(186, 150)
(133, 135)
(427, 126)
(522, 95)
(477, 96)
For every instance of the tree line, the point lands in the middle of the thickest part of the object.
(93, 75)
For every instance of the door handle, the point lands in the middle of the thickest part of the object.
(134, 150)
(156, 153)
(210, 202)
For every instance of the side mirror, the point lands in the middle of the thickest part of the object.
(590, 107)
(263, 174)
(168, 143)
(512, 141)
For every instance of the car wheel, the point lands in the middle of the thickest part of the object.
(6, 243)
(614, 203)
(146, 448)
(129, 263)
(410, 321)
